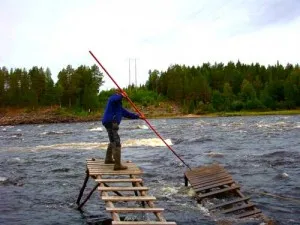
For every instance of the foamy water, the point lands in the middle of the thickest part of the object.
(153, 142)
(96, 129)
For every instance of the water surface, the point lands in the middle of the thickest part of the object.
(42, 167)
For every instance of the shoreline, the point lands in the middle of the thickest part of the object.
(46, 116)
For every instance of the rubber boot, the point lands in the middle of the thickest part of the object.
(109, 154)
(117, 156)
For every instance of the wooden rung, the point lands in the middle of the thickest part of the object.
(117, 172)
(110, 167)
(245, 206)
(128, 198)
(203, 176)
(199, 185)
(119, 180)
(204, 169)
(251, 213)
(211, 178)
(142, 223)
(110, 164)
(205, 187)
(122, 210)
(102, 162)
(228, 203)
(200, 196)
(120, 188)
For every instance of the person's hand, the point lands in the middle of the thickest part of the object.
(142, 116)
(124, 94)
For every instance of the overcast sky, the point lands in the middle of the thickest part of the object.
(158, 33)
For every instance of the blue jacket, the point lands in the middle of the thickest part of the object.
(114, 110)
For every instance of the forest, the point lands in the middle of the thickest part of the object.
(231, 87)
(197, 89)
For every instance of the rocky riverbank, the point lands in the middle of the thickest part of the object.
(40, 116)
(13, 116)
(9, 116)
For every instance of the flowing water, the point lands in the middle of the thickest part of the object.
(42, 167)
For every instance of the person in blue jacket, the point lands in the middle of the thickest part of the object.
(113, 114)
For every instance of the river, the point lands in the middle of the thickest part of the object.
(42, 167)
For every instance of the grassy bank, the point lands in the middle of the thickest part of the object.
(260, 113)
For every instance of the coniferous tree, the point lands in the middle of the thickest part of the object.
(4, 85)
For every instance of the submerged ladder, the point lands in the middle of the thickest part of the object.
(113, 185)
(212, 181)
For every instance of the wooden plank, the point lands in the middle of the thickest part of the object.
(196, 179)
(102, 162)
(218, 184)
(205, 173)
(128, 198)
(95, 160)
(133, 210)
(124, 180)
(111, 165)
(199, 185)
(202, 176)
(245, 206)
(112, 169)
(117, 172)
(204, 168)
(229, 203)
(200, 196)
(120, 188)
(142, 223)
(247, 214)
(109, 168)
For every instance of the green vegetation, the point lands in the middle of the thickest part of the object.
(75, 88)
(232, 89)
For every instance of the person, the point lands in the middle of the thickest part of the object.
(113, 114)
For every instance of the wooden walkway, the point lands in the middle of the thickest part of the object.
(122, 188)
(210, 182)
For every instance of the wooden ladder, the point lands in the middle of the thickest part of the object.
(117, 187)
(212, 181)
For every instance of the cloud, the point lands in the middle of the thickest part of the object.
(156, 33)
(276, 12)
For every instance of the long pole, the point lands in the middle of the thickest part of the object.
(138, 111)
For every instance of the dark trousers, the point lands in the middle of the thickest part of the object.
(114, 138)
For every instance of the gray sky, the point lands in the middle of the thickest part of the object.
(55, 33)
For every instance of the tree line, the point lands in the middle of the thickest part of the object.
(33, 88)
(231, 87)
(205, 88)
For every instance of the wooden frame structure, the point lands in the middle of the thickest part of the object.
(114, 187)
(214, 181)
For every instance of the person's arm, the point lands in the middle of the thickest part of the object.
(129, 115)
